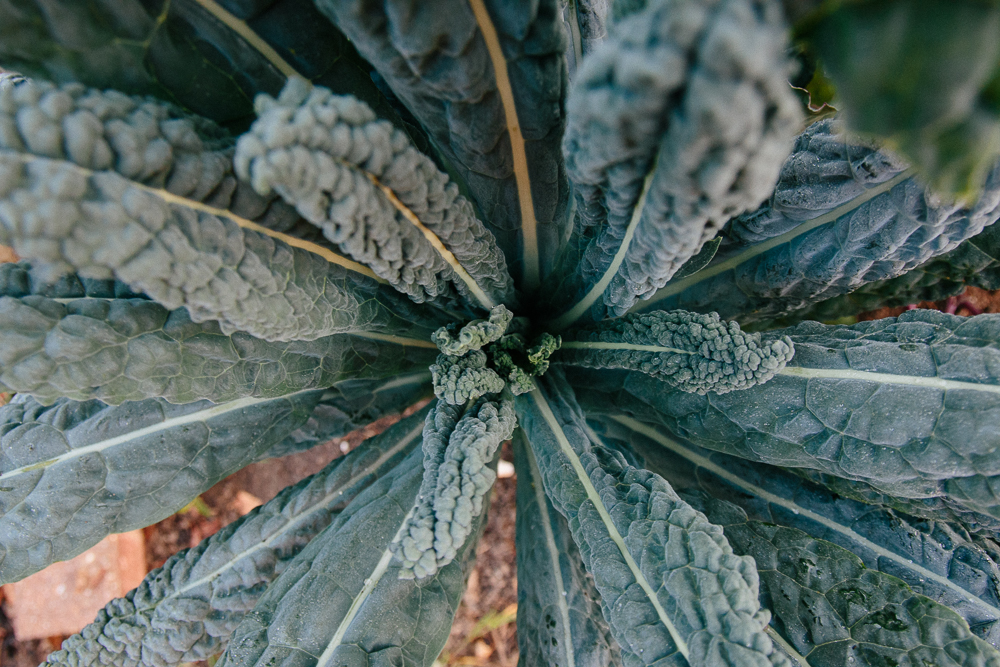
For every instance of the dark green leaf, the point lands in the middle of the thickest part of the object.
(907, 406)
(935, 559)
(694, 353)
(353, 404)
(559, 619)
(130, 349)
(974, 262)
(75, 472)
(345, 599)
(435, 58)
(371, 192)
(916, 72)
(843, 214)
(654, 173)
(202, 594)
(671, 588)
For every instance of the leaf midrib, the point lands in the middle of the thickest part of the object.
(174, 422)
(553, 551)
(595, 499)
(752, 251)
(740, 483)
(529, 225)
(304, 517)
(369, 585)
(241, 28)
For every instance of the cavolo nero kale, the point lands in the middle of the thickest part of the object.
(246, 228)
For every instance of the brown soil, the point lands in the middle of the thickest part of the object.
(973, 301)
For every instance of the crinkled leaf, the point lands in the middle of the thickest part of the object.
(19, 279)
(559, 619)
(586, 26)
(671, 588)
(939, 560)
(974, 262)
(183, 51)
(435, 58)
(130, 349)
(182, 255)
(916, 72)
(72, 473)
(342, 600)
(186, 609)
(353, 404)
(679, 121)
(834, 611)
(907, 406)
(692, 352)
(372, 193)
(459, 444)
(151, 142)
(842, 215)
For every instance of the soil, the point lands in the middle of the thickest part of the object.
(484, 633)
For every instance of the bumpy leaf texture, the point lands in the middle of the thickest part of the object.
(842, 215)
(680, 120)
(694, 353)
(187, 609)
(809, 546)
(129, 349)
(438, 60)
(906, 406)
(459, 443)
(559, 619)
(586, 27)
(72, 473)
(974, 262)
(188, 52)
(671, 588)
(179, 256)
(345, 599)
(350, 405)
(376, 196)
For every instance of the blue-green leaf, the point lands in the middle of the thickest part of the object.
(907, 406)
(694, 353)
(209, 56)
(186, 609)
(486, 79)
(974, 262)
(346, 599)
(586, 27)
(939, 560)
(460, 441)
(671, 588)
(73, 473)
(352, 404)
(559, 619)
(844, 580)
(130, 349)
(679, 121)
(842, 215)
(183, 255)
(372, 193)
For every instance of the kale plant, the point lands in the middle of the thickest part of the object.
(602, 230)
